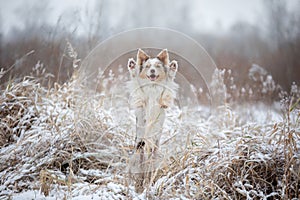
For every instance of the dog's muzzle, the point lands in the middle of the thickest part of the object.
(153, 77)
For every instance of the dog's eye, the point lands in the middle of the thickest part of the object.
(147, 66)
(158, 66)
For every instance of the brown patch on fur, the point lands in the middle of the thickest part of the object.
(162, 75)
(163, 56)
(158, 64)
(143, 74)
(165, 101)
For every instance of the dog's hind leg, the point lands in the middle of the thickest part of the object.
(158, 126)
(140, 149)
(140, 127)
(155, 126)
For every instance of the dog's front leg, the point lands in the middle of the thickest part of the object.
(140, 127)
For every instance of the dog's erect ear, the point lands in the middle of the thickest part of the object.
(131, 64)
(173, 66)
(163, 56)
(141, 57)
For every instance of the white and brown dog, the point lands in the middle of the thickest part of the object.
(152, 90)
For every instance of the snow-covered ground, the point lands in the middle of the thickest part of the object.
(70, 143)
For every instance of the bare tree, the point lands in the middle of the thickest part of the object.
(1, 41)
(95, 22)
(284, 33)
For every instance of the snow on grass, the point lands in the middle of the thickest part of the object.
(70, 143)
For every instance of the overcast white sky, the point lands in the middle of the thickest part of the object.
(208, 15)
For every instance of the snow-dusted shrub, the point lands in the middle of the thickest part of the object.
(50, 135)
(259, 86)
(68, 141)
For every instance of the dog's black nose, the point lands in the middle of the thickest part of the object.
(152, 71)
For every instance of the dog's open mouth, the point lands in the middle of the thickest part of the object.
(153, 77)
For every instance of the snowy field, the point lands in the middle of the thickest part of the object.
(71, 143)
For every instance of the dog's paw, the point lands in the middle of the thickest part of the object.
(164, 106)
(173, 67)
(131, 67)
(140, 145)
(165, 101)
(131, 64)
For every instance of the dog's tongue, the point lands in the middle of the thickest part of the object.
(152, 77)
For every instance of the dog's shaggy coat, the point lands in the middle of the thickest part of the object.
(152, 89)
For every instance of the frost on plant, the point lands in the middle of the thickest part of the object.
(69, 141)
(257, 73)
(218, 88)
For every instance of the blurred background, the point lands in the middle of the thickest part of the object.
(238, 34)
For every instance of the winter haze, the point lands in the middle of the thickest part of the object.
(68, 131)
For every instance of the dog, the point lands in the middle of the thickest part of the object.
(152, 90)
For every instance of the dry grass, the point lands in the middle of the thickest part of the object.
(47, 136)
(66, 141)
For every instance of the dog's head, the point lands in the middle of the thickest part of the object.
(153, 69)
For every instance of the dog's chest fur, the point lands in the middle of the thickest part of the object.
(150, 94)
(153, 93)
